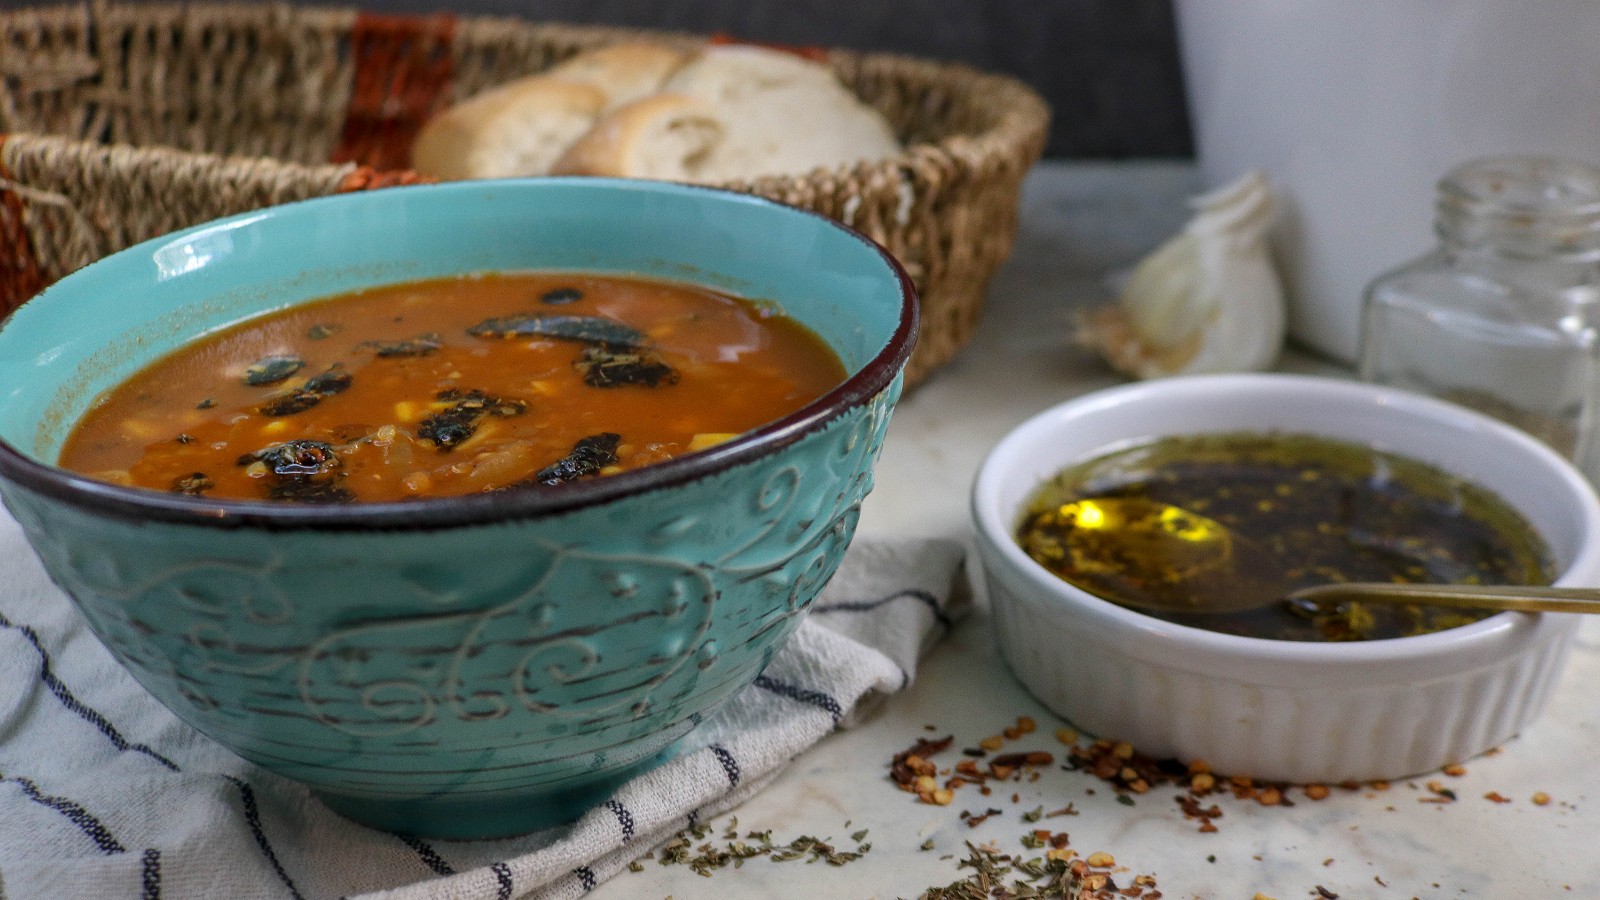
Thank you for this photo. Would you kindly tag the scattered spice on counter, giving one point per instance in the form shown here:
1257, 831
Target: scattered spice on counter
1441, 794
1000, 875
914, 772
1129, 773
1061, 874
973, 819
690, 848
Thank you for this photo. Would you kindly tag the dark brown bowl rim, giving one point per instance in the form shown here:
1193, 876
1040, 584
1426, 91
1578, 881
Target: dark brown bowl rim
144, 505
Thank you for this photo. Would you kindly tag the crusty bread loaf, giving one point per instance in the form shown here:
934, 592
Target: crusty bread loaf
625, 72
522, 126
735, 112
518, 128
640, 110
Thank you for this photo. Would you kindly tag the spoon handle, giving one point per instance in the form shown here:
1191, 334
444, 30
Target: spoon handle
1517, 597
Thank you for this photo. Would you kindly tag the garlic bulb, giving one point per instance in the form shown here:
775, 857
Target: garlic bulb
1208, 300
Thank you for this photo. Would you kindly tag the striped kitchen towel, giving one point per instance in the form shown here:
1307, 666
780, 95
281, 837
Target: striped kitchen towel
104, 793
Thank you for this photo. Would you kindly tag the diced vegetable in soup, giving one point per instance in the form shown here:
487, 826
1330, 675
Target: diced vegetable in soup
453, 386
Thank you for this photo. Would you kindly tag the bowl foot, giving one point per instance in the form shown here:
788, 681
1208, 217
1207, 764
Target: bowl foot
477, 816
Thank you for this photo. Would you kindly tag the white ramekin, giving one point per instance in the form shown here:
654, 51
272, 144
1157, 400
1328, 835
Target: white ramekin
1282, 710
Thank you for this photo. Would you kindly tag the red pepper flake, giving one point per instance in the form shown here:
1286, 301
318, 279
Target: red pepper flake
1441, 794
1496, 797
973, 819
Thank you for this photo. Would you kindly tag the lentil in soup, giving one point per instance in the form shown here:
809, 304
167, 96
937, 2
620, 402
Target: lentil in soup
453, 386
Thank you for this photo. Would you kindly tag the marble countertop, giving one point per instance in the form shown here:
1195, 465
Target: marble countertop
1080, 221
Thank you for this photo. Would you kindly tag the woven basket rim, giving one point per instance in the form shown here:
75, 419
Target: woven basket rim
1021, 115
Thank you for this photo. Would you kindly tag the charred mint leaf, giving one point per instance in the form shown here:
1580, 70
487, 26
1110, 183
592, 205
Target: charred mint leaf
322, 331
333, 381
605, 366
315, 389
301, 471
589, 455
193, 484
421, 345
561, 295
207, 403
290, 403
272, 369
298, 458
590, 329
450, 427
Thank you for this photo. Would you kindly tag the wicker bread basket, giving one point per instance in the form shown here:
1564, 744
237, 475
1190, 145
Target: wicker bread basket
120, 122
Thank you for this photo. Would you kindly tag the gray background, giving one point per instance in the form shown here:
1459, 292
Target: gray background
1109, 68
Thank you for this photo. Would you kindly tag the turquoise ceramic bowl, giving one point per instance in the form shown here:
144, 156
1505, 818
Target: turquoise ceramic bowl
471, 666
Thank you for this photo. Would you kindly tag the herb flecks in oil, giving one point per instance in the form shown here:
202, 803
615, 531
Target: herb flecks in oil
1321, 511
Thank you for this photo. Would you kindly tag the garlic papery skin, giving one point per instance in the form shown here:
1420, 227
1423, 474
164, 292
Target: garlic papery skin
1208, 300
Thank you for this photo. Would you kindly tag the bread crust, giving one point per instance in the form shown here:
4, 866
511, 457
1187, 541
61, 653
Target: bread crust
626, 72
666, 136
516, 129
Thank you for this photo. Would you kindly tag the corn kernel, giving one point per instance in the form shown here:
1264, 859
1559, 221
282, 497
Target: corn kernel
710, 439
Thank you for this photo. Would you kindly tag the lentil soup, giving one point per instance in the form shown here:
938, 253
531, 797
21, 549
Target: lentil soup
453, 386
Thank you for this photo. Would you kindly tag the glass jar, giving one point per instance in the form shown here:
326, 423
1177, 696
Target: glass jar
1504, 316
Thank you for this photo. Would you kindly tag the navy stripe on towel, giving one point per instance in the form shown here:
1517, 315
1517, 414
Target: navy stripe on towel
252, 817
48, 676
77, 815
585, 877
624, 818
818, 699
729, 764
502, 874
869, 605
151, 875
429, 856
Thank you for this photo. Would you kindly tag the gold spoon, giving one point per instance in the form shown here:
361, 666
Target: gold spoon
1175, 560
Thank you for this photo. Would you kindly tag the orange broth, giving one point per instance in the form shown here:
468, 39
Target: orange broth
416, 390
